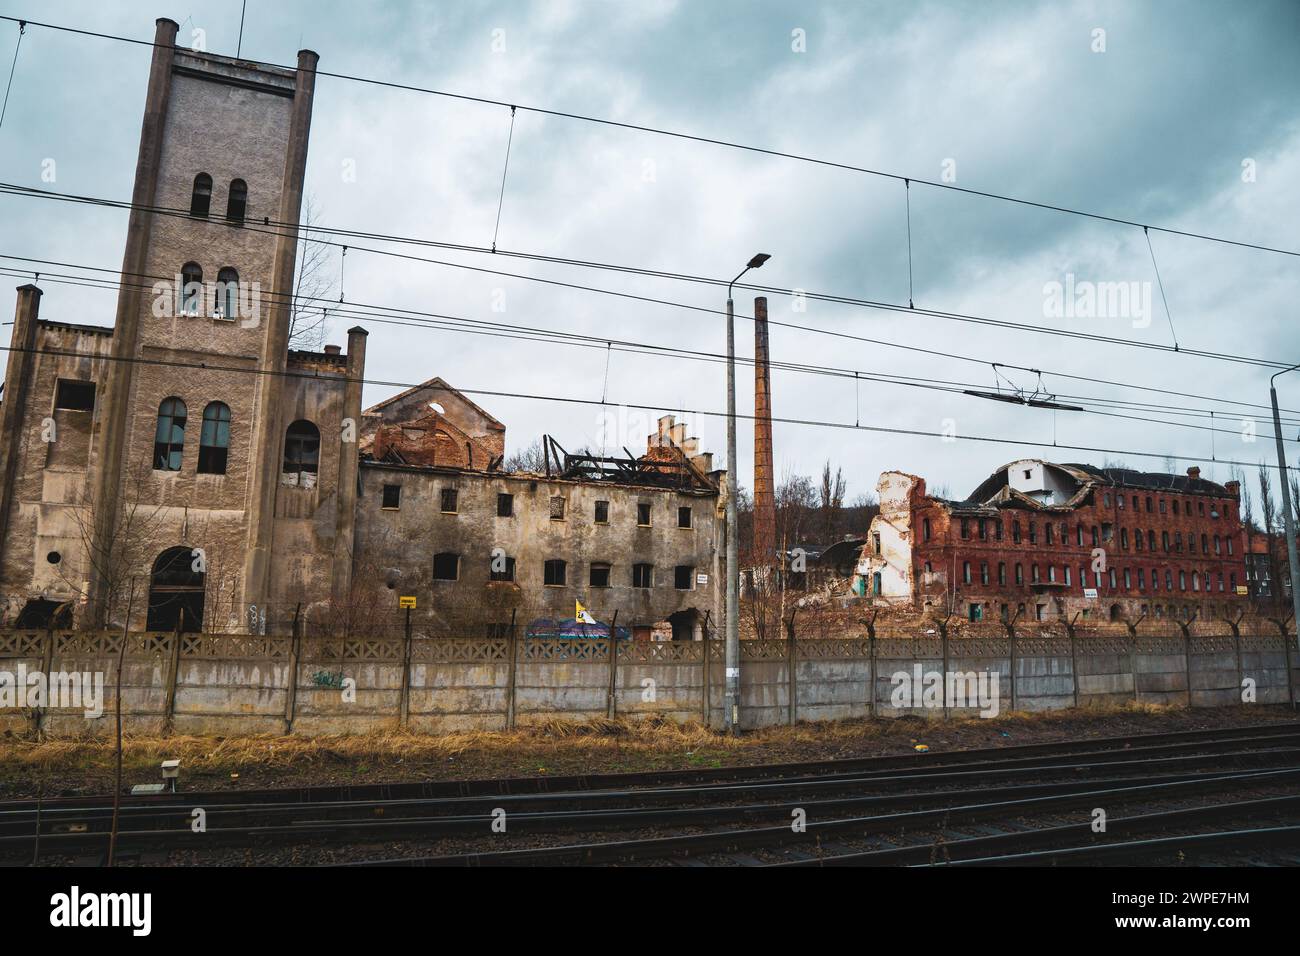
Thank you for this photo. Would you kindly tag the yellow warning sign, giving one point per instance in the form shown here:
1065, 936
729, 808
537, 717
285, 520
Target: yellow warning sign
406, 600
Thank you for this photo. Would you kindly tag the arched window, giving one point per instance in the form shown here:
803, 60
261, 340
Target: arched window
214, 439
169, 439
237, 203
227, 294
191, 293
176, 592
201, 199
301, 454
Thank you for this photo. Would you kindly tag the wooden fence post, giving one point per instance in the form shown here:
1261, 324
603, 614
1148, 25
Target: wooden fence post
706, 676
792, 683
291, 697
173, 672
512, 649
611, 710
404, 720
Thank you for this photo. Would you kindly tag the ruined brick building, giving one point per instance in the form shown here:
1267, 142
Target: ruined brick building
1046, 541
187, 465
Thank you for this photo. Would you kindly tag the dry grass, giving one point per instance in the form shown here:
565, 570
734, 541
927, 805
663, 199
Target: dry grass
553, 746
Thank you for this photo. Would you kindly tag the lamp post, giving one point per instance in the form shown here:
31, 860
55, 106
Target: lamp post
731, 697
1289, 521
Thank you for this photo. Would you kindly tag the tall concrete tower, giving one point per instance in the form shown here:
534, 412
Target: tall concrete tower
764, 484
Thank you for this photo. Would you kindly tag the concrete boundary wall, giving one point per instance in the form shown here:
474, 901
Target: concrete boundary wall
241, 684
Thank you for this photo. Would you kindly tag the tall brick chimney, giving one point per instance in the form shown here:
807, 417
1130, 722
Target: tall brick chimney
764, 485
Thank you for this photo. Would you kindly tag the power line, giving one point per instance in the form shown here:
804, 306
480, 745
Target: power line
532, 334
712, 141
933, 352
568, 400
287, 228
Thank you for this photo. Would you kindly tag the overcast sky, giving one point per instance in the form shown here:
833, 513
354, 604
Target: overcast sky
1188, 118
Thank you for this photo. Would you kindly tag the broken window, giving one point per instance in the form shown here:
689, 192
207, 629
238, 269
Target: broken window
226, 304
450, 500
925, 529
683, 517
599, 577
643, 515
1002, 572
392, 496
683, 576
554, 573
984, 572
965, 529
169, 438
976, 612
446, 566
557, 508
643, 575
214, 439
875, 542
75, 396
502, 569
505, 505
191, 291
301, 454
602, 512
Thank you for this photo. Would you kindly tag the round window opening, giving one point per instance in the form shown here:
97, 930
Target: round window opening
54, 557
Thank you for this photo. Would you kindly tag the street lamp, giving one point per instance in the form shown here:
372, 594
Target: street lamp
731, 700
1286, 502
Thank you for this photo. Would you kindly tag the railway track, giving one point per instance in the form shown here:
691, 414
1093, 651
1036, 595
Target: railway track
1022, 801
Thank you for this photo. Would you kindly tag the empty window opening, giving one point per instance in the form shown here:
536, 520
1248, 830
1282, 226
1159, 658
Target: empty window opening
301, 454
505, 505
75, 396
683, 577
446, 566
554, 573
683, 517
602, 512
392, 496
643, 515
450, 501
502, 568
599, 576
643, 575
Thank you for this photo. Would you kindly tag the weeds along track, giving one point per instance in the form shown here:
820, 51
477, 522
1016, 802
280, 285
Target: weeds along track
732, 815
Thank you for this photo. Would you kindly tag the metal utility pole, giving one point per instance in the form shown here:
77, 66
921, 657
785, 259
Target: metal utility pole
1289, 520
731, 696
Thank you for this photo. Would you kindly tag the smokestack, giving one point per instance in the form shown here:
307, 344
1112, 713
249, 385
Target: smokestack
764, 486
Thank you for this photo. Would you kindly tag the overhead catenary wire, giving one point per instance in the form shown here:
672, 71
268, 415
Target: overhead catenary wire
505, 168
640, 406
708, 140
995, 365
22, 29
270, 228
500, 329
1160, 282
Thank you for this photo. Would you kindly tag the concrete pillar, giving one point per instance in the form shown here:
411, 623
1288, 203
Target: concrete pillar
18, 376
345, 517
264, 467
764, 481
109, 438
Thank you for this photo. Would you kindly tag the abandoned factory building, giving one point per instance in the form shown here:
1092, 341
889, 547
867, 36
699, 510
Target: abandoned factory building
186, 467
1043, 541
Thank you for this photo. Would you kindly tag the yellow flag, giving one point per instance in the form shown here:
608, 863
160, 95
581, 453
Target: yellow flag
580, 613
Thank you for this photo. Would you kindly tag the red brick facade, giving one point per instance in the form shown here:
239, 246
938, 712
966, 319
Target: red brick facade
1171, 546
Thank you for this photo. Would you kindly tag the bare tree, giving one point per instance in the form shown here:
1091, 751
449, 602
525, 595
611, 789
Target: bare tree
113, 559
526, 459
832, 499
314, 286
1270, 518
